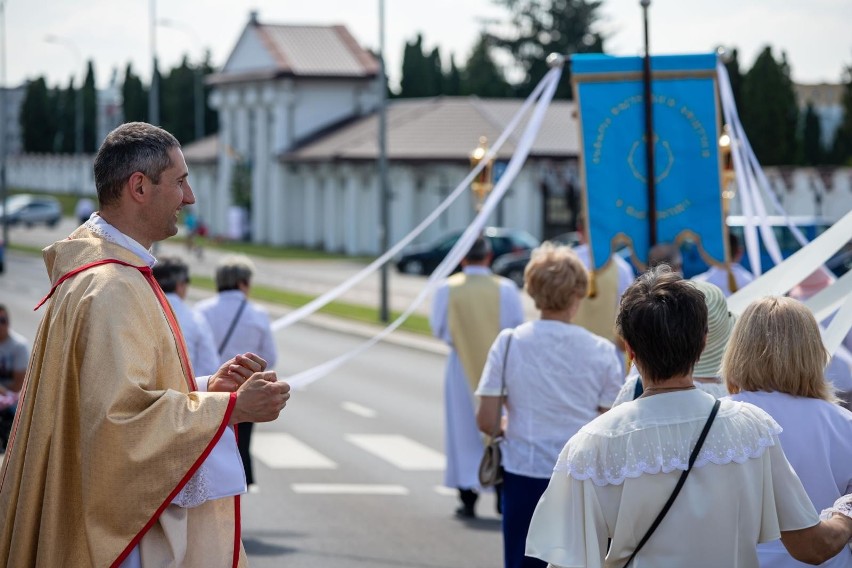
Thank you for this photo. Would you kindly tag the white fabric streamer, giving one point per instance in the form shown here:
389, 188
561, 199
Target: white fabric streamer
348, 284
784, 276
548, 84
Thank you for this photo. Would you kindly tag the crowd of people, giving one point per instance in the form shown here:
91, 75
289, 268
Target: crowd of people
630, 409
602, 424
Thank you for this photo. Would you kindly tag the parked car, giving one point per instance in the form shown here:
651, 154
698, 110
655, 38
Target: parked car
31, 210
512, 265
423, 259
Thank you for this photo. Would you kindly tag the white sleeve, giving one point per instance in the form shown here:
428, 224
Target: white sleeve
205, 349
612, 380
438, 316
492, 373
267, 348
511, 306
568, 528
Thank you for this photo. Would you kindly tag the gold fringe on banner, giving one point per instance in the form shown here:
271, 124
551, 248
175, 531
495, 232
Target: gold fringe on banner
593, 291
732, 282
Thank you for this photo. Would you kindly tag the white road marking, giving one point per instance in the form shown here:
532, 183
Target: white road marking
348, 489
446, 491
400, 451
358, 409
283, 451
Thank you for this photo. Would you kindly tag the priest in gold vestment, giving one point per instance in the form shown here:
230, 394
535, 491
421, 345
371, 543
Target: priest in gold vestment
117, 457
468, 311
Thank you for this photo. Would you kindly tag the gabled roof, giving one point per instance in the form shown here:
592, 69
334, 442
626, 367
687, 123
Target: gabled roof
266, 51
442, 129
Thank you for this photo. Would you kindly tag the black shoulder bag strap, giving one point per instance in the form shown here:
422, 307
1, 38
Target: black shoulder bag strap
680, 482
232, 326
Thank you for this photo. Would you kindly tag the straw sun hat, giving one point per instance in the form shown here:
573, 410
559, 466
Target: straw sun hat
720, 323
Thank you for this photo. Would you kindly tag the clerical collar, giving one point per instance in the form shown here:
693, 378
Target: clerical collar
98, 224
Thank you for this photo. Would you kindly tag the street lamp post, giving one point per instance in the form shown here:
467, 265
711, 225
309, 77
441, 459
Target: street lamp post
78, 95
649, 132
198, 91
384, 311
154, 93
3, 117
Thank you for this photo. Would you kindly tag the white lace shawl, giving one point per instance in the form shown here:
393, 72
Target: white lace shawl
610, 449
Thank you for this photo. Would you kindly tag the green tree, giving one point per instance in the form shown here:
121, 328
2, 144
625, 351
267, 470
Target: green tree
481, 75
66, 119
134, 97
211, 116
770, 113
841, 150
422, 75
435, 73
732, 64
542, 27
90, 111
177, 113
453, 80
37, 118
812, 151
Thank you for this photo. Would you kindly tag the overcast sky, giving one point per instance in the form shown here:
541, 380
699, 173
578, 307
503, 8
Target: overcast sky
814, 33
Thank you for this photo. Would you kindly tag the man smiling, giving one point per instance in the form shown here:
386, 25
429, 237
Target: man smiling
118, 456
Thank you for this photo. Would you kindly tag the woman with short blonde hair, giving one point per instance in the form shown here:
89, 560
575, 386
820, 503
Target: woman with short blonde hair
555, 277
777, 347
555, 376
775, 361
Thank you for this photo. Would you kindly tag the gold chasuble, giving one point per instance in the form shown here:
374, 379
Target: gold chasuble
107, 430
597, 314
474, 320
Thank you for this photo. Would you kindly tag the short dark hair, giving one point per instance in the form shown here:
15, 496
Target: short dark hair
232, 271
479, 250
169, 272
663, 318
132, 147
734, 244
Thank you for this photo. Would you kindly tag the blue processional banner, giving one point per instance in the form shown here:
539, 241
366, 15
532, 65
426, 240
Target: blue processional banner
686, 117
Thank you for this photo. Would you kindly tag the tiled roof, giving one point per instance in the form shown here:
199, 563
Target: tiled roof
442, 129
205, 150
301, 51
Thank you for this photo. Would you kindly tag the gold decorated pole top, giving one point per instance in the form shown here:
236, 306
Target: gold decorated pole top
481, 185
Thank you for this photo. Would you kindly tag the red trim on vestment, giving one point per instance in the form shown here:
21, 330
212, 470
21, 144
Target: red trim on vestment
232, 401
80, 269
237, 529
170, 316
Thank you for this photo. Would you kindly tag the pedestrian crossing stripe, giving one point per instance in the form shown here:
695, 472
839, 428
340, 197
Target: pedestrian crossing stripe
404, 453
283, 451
348, 489
358, 409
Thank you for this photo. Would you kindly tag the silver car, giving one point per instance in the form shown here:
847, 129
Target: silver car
32, 210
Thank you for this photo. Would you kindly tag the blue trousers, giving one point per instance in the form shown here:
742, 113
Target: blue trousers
520, 496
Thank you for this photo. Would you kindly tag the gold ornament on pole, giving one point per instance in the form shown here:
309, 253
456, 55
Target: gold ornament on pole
481, 185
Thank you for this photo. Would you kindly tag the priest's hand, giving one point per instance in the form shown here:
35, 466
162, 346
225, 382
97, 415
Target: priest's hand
260, 398
234, 372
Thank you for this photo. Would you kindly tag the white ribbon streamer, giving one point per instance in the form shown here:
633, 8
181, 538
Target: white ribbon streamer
827, 300
348, 284
839, 327
459, 250
789, 273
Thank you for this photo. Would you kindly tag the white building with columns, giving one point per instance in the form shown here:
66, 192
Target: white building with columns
298, 111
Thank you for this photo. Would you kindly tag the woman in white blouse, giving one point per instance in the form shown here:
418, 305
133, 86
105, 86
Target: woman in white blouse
558, 376
614, 476
776, 361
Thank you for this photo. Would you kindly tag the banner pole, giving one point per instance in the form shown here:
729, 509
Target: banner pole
649, 133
